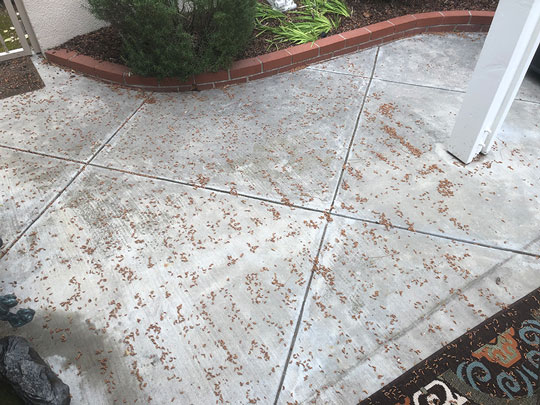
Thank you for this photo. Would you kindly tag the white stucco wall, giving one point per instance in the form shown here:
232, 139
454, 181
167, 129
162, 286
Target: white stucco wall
56, 21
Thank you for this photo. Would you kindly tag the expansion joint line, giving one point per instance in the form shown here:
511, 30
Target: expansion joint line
301, 313
316, 260
392, 338
57, 196
357, 123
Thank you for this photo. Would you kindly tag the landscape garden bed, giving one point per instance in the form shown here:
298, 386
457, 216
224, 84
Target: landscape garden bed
105, 44
86, 55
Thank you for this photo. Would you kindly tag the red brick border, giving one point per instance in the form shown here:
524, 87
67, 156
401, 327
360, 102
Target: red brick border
292, 58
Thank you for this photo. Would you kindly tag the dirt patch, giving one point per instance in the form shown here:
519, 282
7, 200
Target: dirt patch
105, 44
18, 76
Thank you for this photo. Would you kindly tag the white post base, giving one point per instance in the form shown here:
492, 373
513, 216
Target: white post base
507, 54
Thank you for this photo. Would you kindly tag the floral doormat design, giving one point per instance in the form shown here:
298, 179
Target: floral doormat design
495, 363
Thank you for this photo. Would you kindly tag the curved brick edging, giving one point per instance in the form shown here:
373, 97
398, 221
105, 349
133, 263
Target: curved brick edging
291, 58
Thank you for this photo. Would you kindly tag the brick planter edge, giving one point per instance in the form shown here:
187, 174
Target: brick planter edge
292, 58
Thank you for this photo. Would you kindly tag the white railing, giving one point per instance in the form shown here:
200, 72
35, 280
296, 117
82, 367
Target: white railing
19, 32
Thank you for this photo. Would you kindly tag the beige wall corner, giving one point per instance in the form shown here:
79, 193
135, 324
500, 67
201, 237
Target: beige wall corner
56, 21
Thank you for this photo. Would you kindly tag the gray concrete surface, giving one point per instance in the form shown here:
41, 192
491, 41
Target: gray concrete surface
28, 184
283, 139
436, 60
383, 300
71, 118
191, 291
400, 172
212, 248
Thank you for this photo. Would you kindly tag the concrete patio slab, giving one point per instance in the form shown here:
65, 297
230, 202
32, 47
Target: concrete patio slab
28, 183
441, 60
399, 171
71, 117
283, 138
382, 300
438, 60
395, 357
503, 285
146, 289
171, 270
357, 64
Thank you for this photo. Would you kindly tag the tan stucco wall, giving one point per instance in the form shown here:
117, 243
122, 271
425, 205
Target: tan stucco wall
56, 21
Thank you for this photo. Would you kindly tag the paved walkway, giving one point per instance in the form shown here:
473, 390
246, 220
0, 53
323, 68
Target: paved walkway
300, 238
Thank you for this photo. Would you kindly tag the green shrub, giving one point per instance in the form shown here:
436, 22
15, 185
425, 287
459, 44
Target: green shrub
161, 39
154, 41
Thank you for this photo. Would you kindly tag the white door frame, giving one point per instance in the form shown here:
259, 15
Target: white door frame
510, 45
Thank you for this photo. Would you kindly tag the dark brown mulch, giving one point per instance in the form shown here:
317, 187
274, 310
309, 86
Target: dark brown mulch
366, 12
18, 76
105, 44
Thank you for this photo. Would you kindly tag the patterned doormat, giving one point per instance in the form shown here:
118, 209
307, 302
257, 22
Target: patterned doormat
495, 363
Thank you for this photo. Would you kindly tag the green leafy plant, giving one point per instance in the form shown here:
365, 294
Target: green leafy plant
337, 7
311, 20
265, 12
161, 38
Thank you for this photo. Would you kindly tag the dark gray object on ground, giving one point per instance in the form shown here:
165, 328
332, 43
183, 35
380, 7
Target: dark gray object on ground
21, 318
29, 375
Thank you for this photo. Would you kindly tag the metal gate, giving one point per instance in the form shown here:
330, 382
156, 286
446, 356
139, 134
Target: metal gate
16, 35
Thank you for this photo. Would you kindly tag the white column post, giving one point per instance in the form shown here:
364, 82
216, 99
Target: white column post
508, 51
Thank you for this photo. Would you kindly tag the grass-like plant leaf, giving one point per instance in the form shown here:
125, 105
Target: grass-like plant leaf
307, 23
